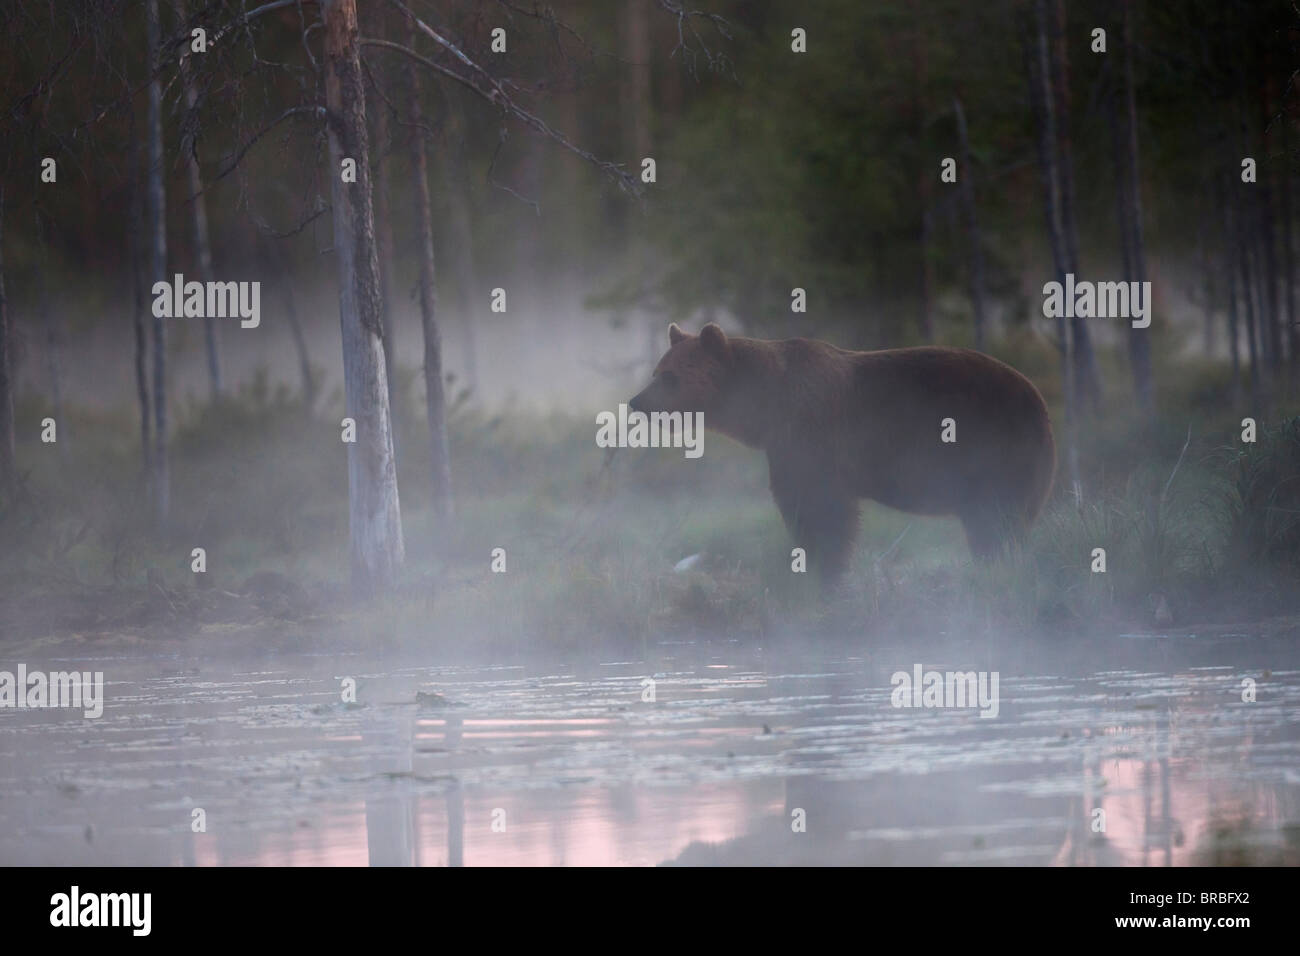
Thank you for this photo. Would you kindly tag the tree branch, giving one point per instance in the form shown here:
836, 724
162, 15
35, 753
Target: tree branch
717, 61
317, 111
492, 91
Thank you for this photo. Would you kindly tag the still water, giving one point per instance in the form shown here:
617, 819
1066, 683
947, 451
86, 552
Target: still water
1141, 751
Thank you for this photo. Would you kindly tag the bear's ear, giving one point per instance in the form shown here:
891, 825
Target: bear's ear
713, 338
675, 334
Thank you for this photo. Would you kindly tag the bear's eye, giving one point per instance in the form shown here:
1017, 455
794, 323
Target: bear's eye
669, 379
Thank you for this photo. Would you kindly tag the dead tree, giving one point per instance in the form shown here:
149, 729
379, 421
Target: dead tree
1287, 265
435, 398
53, 338
199, 216
1038, 70
156, 226
976, 251
456, 174
1243, 254
8, 470
1265, 230
1230, 275
140, 305
1139, 341
384, 226
377, 551
925, 178
282, 263
1087, 378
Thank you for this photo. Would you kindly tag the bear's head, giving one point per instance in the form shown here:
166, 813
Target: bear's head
691, 376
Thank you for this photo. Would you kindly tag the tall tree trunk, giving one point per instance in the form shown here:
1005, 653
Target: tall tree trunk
1087, 377
1244, 219
1230, 275
1038, 70
1288, 255
384, 226
1248, 297
140, 288
157, 231
1209, 289
1266, 244
457, 177
284, 269
374, 514
8, 469
1139, 341
299, 343
53, 334
636, 113
435, 399
925, 178
199, 220
925, 243
1267, 225
972, 228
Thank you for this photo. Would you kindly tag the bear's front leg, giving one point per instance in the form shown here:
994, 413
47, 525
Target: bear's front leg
821, 518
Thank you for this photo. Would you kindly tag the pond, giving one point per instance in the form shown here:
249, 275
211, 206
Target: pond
1137, 751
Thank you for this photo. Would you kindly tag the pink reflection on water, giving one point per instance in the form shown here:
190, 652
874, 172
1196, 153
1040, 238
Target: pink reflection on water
592, 826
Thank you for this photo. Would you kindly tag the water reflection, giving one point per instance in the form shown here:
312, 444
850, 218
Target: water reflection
1155, 761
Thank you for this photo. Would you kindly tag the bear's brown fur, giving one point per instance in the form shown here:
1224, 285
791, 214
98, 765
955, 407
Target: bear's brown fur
838, 426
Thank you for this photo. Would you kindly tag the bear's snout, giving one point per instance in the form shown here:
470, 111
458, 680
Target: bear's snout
637, 402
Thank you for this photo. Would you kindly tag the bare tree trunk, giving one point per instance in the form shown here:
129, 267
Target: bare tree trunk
374, 514
1209, 289
1245, 233
140, 284
1230, 274
1267, 232
972, 228
199, 222
636, 113
284, 269
1268, 275
157, 231
299, 343
435, 399
463, 254
1038, 69
1139, 342
8, 469
1248, 297
53, 335
925, 179
1087, 376
926, 240
1288, 256
384, 228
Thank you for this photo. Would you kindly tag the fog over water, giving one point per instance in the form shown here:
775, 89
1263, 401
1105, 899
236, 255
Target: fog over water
573, 767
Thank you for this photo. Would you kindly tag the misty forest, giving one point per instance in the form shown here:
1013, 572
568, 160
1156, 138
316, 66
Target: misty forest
309, 314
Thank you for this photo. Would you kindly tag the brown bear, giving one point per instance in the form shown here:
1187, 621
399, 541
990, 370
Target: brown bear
839, 425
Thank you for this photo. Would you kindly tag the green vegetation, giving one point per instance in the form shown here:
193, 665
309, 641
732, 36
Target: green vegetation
1202, 535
